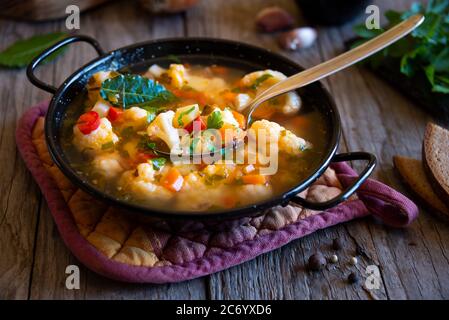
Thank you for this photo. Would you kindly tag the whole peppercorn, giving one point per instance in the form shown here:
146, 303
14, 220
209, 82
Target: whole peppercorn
337, 244
353, 278
316, 262
333, 258
353, 261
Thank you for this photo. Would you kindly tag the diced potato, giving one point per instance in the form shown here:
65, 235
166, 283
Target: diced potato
156, 70
178, 75
185, 115
98, 78
101, 107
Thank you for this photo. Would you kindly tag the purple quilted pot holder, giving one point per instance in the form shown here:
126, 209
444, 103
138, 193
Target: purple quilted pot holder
109, 243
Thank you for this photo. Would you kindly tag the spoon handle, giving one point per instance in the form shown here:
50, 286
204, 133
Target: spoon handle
340, 62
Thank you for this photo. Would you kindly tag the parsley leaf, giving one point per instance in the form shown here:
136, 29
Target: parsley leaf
425, 51
182, 114
215, 120
158, 163
259, 81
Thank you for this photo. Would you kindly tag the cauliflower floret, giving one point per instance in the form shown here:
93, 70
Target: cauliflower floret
108, 164
141, 184
254, 193
135, 116
287, 140
162, 128
241, 101
227, 117
97, 138
292, 144
156, 71
273, 78
178, 75
272, 130
292, 103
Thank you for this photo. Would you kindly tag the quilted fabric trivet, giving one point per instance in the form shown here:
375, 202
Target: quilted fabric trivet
110, 243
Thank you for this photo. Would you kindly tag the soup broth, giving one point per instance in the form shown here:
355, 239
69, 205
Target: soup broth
113, 133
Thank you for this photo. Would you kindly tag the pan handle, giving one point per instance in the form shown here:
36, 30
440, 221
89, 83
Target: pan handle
38, 60
319, 206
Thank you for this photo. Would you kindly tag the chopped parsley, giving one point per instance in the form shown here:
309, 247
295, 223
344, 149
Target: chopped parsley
107, 145
158, 163
260, 80
182, 114
215, 120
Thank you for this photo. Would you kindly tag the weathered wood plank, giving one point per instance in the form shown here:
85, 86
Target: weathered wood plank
19, 196
279, 274
378, 119
52, 257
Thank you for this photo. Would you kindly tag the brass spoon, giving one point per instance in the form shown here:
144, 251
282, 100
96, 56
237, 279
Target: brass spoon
329, 67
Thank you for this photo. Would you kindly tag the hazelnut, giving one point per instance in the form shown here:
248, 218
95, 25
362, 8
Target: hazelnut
317, 262
273, 19
298, 38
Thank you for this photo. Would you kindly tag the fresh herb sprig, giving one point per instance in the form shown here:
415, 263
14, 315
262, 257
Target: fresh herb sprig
135, 90
425, 51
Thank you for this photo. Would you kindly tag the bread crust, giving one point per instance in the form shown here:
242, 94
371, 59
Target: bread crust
428, 162
412, 174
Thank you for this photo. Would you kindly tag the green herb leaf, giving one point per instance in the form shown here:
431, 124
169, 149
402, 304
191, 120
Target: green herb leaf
146, 144
363, 32
158, 163
135, 90
425, 51
215, 120
108, 145
182, 114
127, 132
22, 52
259, 81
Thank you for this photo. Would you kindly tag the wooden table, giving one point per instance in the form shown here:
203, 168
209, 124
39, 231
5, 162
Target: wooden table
413, 262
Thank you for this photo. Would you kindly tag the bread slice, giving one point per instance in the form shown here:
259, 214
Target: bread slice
436, 159
413, 174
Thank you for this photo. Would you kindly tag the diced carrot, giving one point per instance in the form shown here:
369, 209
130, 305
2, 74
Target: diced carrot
240, 119
173, 180
229, 96
254, 179
220, 70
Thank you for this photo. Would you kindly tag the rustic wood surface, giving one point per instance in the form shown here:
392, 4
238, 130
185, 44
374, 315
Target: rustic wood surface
414, 262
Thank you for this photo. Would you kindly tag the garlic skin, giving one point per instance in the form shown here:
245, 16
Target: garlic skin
273, 19
298, 38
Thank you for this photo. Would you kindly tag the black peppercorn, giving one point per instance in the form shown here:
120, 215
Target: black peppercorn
317, 262
353, 278
337, 244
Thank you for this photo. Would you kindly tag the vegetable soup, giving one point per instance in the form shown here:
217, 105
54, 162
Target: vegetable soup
113, 137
